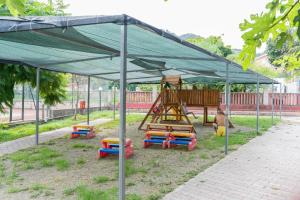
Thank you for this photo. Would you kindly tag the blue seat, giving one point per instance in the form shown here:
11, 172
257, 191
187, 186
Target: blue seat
180, 142
154, 141
110, 151
80, 132
184, 139
158, 138
114, 145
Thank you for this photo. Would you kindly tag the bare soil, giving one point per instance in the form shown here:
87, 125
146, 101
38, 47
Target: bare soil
155, 171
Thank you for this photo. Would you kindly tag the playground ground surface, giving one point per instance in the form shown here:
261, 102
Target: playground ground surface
68, 169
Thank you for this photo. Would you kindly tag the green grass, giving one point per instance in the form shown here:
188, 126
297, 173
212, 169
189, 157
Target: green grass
203, 156
40, 189
131, 118
81, 161
36, 157
82, 146
16, 189
130, 169
8, 134
2, 170
101, 179
265, 122
83, 192
62, 164
12, 177
238, 138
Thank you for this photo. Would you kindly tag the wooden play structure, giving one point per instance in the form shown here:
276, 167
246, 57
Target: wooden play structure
83, 130
110, 146
170, 109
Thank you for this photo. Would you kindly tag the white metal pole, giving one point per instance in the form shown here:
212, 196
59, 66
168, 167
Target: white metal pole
88, 100
272, 103
229, 100
122, 133
227, 109
257, 105
23, 99
37, 108
114, 95
280, 101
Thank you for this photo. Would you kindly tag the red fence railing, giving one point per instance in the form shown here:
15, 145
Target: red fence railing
239, 100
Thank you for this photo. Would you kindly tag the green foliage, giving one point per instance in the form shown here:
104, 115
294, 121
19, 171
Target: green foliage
31, 7
213, 44
266, 71
275, 23
13, 7
52, 85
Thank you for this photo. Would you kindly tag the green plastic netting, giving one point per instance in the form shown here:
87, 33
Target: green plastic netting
91, 46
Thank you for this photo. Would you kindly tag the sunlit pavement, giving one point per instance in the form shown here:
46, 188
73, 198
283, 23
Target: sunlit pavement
266, 168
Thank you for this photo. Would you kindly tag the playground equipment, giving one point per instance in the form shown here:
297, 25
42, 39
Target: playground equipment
156, 137
170, 139
110, 146
179, 138
221, 131
170, 105
85, 130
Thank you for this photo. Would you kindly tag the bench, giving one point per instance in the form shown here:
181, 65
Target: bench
171, 127
86, 130
110, 146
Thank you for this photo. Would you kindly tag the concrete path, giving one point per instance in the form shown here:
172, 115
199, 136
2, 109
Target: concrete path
267, 168
29, 141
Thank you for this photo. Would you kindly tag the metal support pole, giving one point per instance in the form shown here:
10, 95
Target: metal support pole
229, 100
11, 113
122, 133
23, 98
100, 96
88, 101
72, 92
272, 103
227, 109
280, 101
257, 105
114, 95
37, 108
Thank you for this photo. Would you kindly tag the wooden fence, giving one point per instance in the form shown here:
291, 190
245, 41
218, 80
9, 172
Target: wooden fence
239, 101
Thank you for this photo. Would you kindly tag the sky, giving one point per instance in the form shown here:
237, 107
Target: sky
201, 17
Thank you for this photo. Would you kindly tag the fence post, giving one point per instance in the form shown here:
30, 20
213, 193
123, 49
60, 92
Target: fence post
280, 102
23, 98
227, 108
257, 105
272, 103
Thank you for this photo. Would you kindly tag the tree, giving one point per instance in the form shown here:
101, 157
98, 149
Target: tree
52, 85
213, 44
280, 23
29, 7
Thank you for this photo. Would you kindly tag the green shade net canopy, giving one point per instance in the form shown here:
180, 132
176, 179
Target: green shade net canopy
90, 45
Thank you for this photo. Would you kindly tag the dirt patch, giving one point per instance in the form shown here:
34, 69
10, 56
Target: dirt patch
151, 171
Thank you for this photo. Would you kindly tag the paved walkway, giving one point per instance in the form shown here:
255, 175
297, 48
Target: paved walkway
267, 168
29, 141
